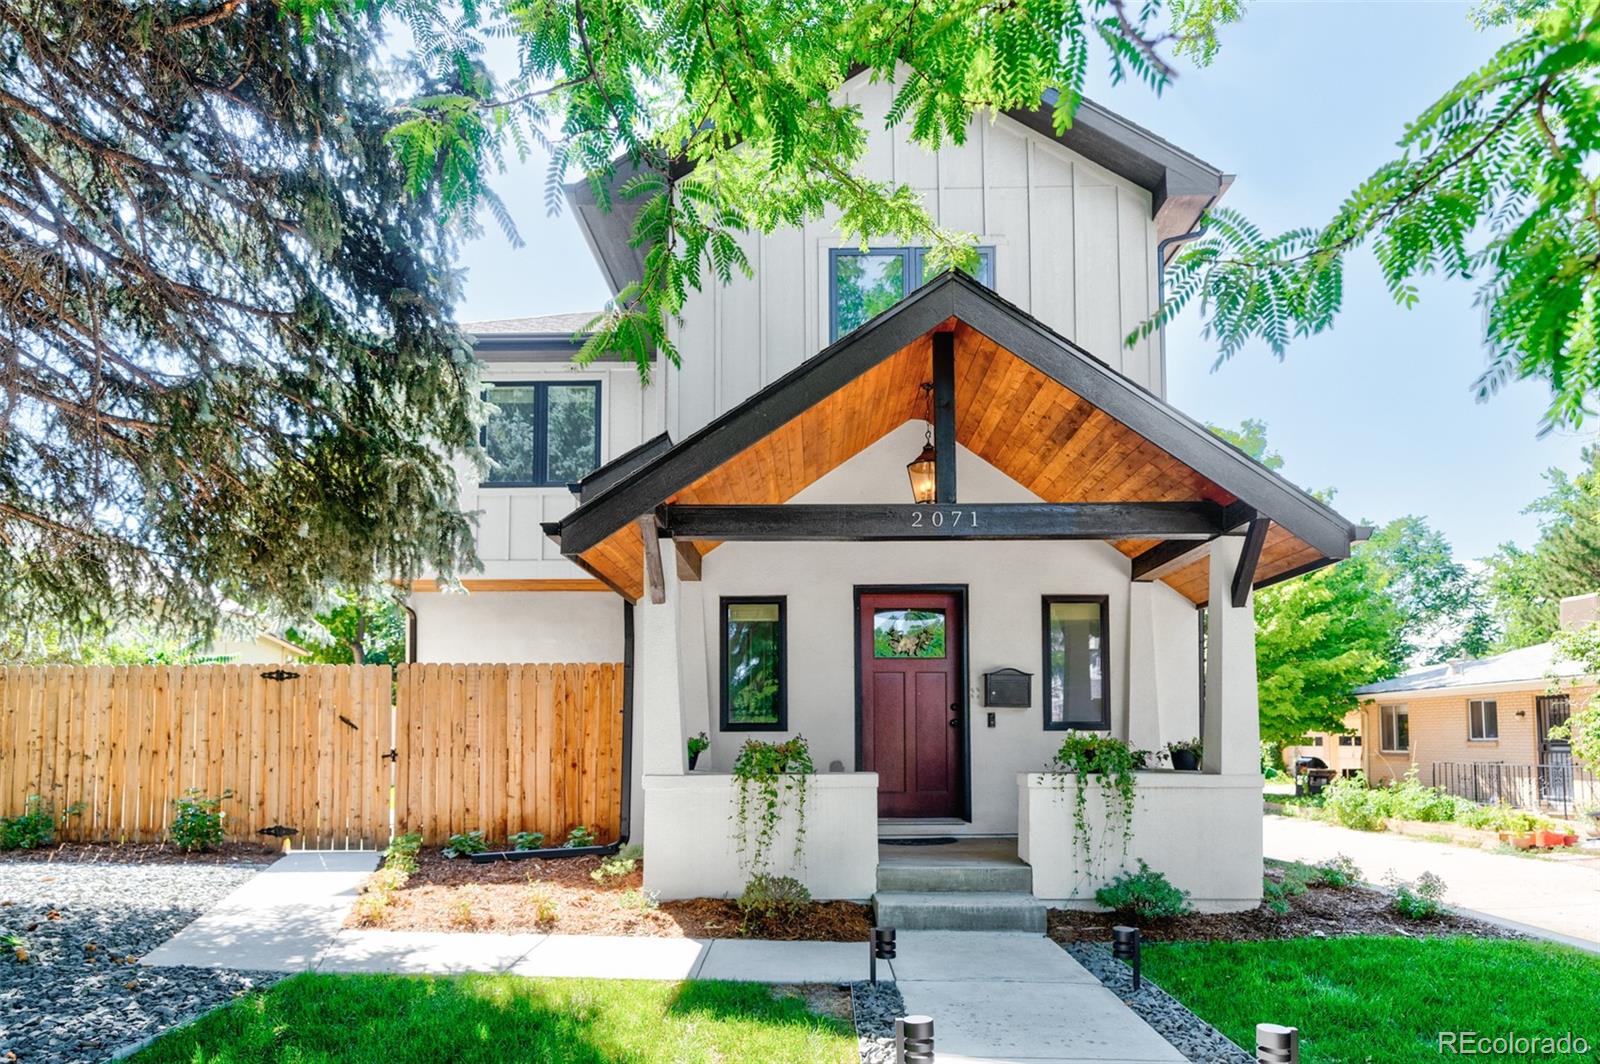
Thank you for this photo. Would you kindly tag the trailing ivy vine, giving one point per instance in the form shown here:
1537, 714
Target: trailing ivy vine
1111, 763
769, 775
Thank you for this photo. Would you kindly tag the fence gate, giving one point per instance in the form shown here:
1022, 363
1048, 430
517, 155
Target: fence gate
299, 746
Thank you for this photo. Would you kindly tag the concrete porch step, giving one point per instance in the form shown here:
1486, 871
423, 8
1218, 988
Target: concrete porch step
955, 878
959, 911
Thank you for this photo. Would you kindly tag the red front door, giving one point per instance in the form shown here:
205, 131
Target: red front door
910, 650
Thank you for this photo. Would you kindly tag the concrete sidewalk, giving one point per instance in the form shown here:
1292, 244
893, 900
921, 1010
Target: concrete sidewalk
994, 995
1561, 898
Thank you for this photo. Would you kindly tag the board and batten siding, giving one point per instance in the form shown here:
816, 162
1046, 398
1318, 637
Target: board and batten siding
1075, 246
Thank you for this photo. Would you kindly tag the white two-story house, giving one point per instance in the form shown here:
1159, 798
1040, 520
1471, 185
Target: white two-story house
932, 524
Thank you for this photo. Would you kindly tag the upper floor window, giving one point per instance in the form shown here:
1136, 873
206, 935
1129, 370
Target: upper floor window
1483, 719
544, 434
1394, 724
864, 284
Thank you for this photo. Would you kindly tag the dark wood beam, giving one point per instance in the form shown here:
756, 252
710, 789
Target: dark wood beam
944, 417
1245, 575
1164, 559
689, 560
975, 521
655, 578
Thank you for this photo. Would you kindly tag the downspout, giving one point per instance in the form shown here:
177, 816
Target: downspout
1161, 273
411, 629
625, 805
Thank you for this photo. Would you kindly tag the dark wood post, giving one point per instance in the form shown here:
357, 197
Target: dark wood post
944, 416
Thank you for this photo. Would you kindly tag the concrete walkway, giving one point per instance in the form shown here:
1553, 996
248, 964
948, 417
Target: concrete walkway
994, 996
1558, 898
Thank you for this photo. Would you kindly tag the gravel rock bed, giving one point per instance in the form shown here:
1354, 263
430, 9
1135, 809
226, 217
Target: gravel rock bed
1188, 1033
80, 995
876, 1006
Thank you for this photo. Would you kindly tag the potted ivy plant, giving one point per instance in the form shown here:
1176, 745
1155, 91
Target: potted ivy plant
698, 744
1110, 763
769, 778
1185, 755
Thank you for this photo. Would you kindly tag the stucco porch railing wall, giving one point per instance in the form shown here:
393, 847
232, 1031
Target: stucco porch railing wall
1202, 831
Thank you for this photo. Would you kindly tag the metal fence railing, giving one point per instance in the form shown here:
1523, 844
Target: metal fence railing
1558, 787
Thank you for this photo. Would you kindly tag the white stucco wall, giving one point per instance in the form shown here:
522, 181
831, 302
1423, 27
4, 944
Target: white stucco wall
1203, 832
1004, 581
518, 626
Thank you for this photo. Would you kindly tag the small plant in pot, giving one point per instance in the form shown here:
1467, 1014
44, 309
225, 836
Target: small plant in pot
698, 744
1185, 755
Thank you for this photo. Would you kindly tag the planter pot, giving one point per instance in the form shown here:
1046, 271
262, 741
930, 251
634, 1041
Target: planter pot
1185, 760
693, 758
1522, 840
1549, 840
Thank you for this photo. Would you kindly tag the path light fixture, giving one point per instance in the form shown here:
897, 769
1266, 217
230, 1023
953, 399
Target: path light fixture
879, 948
1276, 1044
1125, 947
923, 468
913, 1040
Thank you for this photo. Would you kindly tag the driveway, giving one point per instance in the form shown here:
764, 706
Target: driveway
1558, 896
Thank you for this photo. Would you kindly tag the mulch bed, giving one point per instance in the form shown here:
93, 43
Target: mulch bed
1319, 912
457, 895
143, 853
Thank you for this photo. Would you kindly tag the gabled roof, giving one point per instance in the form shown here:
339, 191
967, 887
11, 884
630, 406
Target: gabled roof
1181, 185
1028, 401
1532, 666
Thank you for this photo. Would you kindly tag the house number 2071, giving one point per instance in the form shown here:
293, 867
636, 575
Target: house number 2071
944, 518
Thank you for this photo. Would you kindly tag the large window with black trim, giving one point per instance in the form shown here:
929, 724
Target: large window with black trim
753, 664
543, 433
1077, 653
864, 284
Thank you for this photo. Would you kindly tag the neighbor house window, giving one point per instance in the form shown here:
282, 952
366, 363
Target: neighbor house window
1395, 725
1483, 719
1347, 740
1316, 740
753, 697
864, 284
543, 434
1077, 651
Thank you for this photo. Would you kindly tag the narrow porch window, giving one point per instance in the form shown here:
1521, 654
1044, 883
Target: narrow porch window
1483, 719
1077, 649
753, 636
1395, 726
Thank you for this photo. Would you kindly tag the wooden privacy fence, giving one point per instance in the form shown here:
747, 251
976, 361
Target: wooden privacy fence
508, 748
340, 753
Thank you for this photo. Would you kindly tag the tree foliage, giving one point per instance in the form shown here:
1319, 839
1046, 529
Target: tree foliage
1528, 585
354, 629
229, 369
722, 117
1494, 182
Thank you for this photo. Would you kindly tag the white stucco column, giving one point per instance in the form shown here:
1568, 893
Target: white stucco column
1233, 724
1144, 678
658, 685
695, 678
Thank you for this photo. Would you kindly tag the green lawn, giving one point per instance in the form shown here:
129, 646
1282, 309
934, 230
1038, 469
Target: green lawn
382, 1019
1384, 999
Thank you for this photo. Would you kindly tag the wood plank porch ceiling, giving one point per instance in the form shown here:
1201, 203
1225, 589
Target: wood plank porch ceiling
1021, 421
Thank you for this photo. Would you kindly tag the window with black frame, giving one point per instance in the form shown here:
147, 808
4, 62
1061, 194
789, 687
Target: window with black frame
1077, 651
864, 284
753, 696
542, 434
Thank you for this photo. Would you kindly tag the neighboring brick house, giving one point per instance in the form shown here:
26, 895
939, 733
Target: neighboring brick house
1341, 751
1480, 727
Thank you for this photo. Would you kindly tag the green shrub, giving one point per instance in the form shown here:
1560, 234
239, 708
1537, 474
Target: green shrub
197, 824
769, 897
614, 868
1338, 872
581, 836
35, 826
527, 840
402, 853
1498, 817
1421, 900
1410, 800
543, 902
465, 844
643, 901
1143, 895
1352, 804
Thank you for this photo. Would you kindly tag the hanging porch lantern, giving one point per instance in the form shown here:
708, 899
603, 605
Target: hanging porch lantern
923, 469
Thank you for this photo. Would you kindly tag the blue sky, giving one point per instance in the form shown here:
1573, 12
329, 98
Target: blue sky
1305, 99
